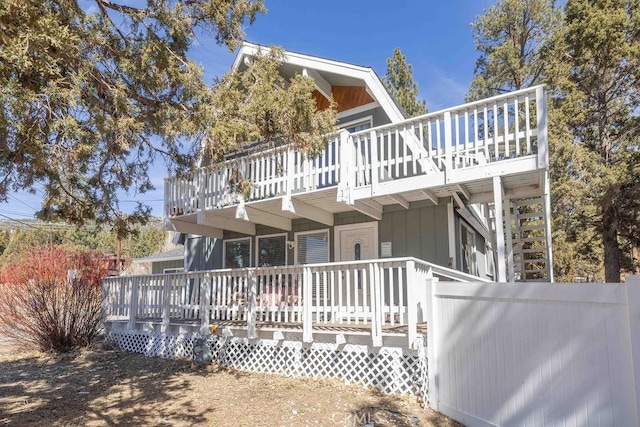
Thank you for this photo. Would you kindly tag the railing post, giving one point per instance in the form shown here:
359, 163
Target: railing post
166, 303
290, 171
541, 116
448, 145
412, 304
133, 302
202, 179
632, 287
432, 342
375, 170
307, 318
205, 303
375, 294
251, 319
105, 300
346, 160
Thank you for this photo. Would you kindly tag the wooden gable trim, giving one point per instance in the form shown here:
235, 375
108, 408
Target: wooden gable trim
347, 97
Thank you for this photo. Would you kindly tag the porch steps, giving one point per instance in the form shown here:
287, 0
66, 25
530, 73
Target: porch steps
529, 239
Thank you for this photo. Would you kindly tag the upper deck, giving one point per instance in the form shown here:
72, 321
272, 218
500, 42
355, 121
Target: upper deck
457, 150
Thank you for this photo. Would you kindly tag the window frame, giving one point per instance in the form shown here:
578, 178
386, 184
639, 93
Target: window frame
224, 250
302, 233
360, 121
265, 236
467, 229
171, 270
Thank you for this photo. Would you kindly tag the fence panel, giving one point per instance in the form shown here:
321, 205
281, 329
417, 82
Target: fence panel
533, 354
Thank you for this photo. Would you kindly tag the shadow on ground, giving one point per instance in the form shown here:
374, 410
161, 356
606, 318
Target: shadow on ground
103, 386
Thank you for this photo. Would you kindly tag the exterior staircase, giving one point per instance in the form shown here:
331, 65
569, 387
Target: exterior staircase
529, 240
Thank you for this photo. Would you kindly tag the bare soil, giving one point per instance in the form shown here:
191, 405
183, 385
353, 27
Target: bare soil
104, 386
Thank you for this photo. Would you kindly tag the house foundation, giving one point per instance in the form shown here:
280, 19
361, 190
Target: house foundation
391, 369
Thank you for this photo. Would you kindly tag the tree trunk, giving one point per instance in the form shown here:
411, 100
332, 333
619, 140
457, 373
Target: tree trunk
610, 243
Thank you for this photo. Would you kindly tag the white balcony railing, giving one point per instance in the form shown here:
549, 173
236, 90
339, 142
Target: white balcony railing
501, 128
374, 293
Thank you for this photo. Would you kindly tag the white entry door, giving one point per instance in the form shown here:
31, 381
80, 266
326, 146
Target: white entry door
358, 242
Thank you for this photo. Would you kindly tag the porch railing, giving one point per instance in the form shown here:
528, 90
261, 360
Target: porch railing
376, 293
496, 129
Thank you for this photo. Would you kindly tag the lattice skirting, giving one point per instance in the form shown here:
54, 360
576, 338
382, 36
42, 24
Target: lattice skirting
390, 370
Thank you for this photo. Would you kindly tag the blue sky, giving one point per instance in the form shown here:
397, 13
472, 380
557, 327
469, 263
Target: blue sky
435, 36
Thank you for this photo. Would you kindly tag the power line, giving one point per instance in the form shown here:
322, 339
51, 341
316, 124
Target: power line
17, 213
18, 221
15, 198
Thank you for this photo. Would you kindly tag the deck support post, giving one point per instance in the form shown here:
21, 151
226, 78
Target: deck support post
412, 303
547, 226
166, 303
499, 218
205, 303
133, 303
511, 276
307, 318
251, 318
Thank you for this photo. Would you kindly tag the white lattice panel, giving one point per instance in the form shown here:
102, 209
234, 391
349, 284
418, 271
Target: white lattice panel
389, 370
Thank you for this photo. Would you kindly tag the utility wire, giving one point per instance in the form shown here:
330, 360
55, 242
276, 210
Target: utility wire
15, 198
18, 221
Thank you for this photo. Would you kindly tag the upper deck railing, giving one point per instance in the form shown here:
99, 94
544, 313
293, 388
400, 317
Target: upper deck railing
476, 134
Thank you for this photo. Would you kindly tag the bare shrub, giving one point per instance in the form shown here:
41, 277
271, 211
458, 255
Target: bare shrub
51, 297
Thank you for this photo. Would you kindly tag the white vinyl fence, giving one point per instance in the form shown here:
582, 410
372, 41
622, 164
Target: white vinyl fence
535, 354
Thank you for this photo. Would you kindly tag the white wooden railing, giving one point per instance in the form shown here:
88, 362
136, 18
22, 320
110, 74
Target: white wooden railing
374, 293
476, 134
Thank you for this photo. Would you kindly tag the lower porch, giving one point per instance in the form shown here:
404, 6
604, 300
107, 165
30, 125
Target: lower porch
374, 302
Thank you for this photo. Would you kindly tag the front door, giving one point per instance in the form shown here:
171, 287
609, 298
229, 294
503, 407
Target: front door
356, 242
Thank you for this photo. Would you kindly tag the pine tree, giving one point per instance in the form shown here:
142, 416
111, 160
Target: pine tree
597, 62
94, 93
513, 38
400, 84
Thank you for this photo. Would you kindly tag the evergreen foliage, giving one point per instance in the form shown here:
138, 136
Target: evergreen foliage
513, 38
598, 79
92, 93
252, 106
589, 56
400, 84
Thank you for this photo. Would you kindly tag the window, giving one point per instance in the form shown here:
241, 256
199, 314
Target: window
490, 260
272, 250
357, 125
173, 270
237, 253
468, 249
312, 247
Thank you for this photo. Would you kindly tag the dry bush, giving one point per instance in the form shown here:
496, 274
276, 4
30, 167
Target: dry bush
51, 297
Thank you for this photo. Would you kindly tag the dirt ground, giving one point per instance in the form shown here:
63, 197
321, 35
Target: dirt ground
104, 386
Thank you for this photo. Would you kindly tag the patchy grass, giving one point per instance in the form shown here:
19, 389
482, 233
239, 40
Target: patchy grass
102, 386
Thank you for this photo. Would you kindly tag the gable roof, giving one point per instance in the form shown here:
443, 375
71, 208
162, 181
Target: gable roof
328, 73
173, 255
